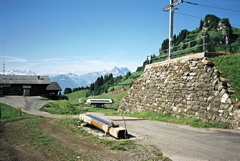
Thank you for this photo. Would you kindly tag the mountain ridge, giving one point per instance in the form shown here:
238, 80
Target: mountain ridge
72, 80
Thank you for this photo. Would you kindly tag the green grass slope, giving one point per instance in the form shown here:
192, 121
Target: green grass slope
230, 66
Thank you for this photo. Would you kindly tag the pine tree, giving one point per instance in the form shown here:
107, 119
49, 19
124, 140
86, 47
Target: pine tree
105, 78
201, 25
67, 90
165, 44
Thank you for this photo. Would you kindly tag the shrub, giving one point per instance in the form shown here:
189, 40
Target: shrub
61, 107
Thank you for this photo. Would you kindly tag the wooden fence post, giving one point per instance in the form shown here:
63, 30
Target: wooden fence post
20, 112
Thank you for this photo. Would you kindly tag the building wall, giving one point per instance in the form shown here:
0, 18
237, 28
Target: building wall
39, 89
16, 89
189, 87
13, 90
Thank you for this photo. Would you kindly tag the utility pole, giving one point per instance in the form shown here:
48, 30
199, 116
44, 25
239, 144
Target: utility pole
171, 11
3, 58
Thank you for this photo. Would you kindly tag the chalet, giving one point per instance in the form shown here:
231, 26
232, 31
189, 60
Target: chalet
28, 85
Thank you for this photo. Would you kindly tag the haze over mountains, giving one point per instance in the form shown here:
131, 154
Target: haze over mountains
18, 72
72, 80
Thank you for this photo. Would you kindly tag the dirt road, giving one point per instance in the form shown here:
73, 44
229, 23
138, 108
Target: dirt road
178, 142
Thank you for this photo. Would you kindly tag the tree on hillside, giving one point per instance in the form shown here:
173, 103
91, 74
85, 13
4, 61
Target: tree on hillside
174, 39
106, 78
79, 89
102, 84
211, 21
128, 75
112, 89
67, 90
110, 76
141, 68
91, 87
201, 25
165, 44
182, 35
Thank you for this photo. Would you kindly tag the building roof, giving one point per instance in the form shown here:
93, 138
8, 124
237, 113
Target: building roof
54, 86
24, 79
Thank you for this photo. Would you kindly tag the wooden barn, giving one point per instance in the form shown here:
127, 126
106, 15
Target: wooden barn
28, 85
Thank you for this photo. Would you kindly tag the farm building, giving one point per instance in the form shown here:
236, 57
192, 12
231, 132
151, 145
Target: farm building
28, 85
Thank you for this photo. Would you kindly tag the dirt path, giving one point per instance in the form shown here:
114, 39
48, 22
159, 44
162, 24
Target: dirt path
16, 149
16, 146
95, 151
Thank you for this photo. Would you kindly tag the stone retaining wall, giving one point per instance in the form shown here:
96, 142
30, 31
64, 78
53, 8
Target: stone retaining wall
189, 87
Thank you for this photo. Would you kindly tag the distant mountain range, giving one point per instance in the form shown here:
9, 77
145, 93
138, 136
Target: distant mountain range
18, 72
71, 80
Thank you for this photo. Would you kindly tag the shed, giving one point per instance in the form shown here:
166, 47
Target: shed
52, 90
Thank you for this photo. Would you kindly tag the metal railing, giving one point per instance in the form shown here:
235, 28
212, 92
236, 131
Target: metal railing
203, 44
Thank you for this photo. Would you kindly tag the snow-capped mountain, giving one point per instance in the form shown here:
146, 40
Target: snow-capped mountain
64, 81
119, 71
18, 72
73, 81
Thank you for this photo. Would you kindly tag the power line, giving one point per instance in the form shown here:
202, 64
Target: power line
188, 15
199, 17
211, 6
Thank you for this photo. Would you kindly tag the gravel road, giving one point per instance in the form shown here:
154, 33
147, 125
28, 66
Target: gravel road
185, 143
178, 142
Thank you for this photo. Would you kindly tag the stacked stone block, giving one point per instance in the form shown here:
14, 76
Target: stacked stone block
190, 88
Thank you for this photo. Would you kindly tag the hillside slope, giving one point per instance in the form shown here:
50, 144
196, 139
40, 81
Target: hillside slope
219, 36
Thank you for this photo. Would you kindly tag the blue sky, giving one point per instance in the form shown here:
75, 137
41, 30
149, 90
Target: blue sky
82, 36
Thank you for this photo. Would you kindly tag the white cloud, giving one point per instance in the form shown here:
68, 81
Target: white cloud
12, 59
78, 65
52, 60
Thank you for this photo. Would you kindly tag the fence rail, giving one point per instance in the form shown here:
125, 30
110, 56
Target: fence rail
203, 44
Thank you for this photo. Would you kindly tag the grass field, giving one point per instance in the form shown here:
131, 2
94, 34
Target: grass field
171, 119
8, 113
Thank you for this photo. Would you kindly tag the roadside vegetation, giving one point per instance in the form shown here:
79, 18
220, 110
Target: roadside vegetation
61, 107
171, 119
7, 113
30, 130
49, 146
